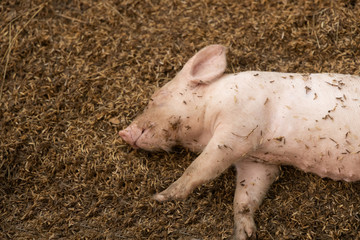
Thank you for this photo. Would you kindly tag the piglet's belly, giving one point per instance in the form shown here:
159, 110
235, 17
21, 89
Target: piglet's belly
338, 166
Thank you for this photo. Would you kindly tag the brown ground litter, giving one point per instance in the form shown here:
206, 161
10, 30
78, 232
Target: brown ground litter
73, 73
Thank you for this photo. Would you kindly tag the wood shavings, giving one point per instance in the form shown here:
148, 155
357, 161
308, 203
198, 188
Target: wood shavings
73, 73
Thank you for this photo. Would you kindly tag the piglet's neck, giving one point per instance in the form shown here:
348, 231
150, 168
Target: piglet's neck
196, 124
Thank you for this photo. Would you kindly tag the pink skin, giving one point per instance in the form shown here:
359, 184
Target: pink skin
255, 121
131, 135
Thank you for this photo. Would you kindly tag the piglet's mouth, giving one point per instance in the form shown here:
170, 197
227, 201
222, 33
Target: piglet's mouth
135, 143
131, 135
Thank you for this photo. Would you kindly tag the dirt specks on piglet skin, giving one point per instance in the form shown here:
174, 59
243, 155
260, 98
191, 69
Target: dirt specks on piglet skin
266, 101
175, 122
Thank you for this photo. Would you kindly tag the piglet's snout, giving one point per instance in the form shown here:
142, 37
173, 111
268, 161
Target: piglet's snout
130, 135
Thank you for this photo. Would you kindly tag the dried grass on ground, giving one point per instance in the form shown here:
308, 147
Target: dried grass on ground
73, 73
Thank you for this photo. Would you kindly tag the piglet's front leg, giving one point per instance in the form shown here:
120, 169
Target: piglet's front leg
252, 183
215, 159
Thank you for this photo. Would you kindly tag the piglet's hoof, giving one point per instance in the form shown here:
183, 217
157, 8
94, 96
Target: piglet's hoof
175, 191
166, 196
244, 236
245, 228
160, 198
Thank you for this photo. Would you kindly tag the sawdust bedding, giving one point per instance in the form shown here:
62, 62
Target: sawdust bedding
73, 73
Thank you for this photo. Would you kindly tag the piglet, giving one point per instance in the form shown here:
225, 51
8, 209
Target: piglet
255, 121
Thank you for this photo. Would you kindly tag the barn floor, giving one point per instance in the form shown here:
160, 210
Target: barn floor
74, 73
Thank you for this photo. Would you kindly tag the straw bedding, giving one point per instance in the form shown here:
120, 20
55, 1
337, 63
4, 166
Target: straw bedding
73, 73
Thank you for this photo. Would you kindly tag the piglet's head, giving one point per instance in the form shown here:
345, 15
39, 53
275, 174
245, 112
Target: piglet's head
169, 118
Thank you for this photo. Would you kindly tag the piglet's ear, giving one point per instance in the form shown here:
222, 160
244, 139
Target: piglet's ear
206, 66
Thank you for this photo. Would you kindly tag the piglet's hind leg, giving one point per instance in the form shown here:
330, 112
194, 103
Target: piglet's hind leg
252, 183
